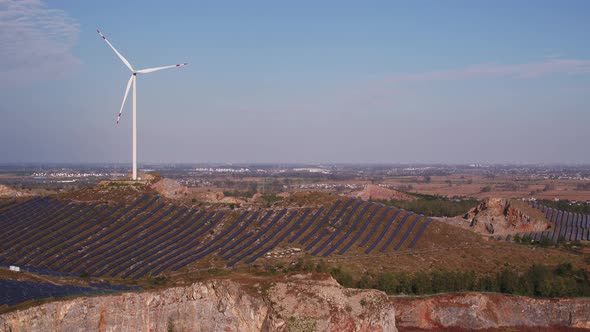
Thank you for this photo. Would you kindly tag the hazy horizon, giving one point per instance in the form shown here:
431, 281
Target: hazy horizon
336, 82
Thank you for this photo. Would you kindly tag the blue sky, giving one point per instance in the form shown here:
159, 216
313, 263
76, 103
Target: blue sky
304, 81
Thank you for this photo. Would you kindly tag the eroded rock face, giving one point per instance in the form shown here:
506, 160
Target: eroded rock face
293, 303
303, 304
483, 311
209, 306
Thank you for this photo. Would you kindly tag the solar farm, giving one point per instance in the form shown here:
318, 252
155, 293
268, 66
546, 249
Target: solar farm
566, 226
150, 237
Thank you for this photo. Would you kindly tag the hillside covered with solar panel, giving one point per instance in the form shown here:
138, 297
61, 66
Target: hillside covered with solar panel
109, 239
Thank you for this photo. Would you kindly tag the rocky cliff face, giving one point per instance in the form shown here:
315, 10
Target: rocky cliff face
501, 216
294, 303
486, 311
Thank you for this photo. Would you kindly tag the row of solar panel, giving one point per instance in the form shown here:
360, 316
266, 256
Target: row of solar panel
569, 234
15, 292
134, 242
559, 216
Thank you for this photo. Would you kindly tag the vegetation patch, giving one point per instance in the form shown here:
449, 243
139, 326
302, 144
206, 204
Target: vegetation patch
301, 324
565, 205
434, 205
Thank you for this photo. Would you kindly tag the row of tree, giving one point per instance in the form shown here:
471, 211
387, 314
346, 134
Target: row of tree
564, 205
436, 206
538, 281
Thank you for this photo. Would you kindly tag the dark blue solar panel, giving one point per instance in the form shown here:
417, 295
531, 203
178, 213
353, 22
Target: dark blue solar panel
304, 228
260, 234
99, 254
174, 251
396, 231
262, 243
35, 226
75, 239
44, 231
121, 260
173, 241
62, 234
19, 223
419, 233
384, 230
168, 238
508, 237
408, 231
210, 246
15, 292
320, 224
337, 231
244, 237
114, 249
269, 247
91, 237
375, 226
317, 239
349, 231
362, 228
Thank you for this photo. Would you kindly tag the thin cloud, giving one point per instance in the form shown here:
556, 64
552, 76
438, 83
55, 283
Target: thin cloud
35, 42
523, 70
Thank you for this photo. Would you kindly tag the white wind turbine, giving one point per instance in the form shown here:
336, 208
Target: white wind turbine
133, 79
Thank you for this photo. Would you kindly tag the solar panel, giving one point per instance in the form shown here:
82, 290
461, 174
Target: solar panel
384, 230
320, 224
304, 228
408, 231
121, 258
262, 243
174, 251
419, 233
349, 230
234, 252
375, 226
338, 230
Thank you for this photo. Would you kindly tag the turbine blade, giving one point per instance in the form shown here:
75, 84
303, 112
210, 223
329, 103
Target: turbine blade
116, 52
151, 70
125, 97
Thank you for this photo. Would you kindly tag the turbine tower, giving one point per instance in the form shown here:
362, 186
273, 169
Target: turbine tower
133, 79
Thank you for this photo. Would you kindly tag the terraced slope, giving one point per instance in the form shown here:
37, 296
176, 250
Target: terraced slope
150, 237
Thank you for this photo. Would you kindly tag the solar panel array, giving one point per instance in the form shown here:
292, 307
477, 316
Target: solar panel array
149, 237
563, 225
15, 292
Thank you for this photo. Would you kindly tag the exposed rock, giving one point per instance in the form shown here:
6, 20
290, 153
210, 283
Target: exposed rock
490, 227
483, 311
209, 306
327, 306
7, 191
284, 195
501, 216
293, 303
170, 188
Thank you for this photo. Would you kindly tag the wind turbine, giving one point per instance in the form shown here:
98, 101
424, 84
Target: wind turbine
133, 79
